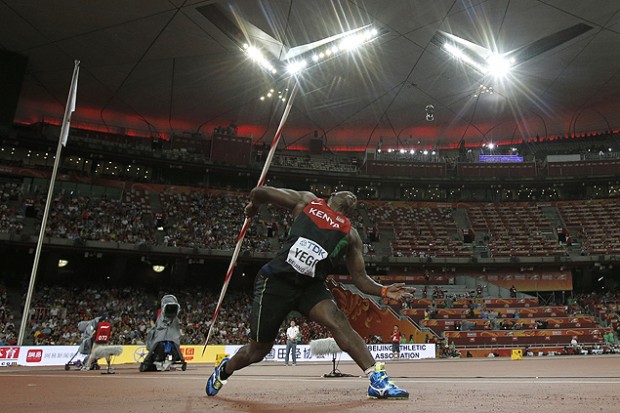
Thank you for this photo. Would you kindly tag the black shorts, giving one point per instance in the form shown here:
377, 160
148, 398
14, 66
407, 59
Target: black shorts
275, 297
395, 347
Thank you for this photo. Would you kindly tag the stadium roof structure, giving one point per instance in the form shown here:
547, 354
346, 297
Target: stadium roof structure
172, 67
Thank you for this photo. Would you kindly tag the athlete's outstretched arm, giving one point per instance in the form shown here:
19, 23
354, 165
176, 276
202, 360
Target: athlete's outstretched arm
281, 197
355, 264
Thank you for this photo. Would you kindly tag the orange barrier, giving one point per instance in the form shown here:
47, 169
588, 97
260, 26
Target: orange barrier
510, 302
489, 303
479, 324
547, 311
525, 337
369, 320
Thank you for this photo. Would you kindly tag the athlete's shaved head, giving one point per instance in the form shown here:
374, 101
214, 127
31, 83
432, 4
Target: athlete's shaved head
343, 202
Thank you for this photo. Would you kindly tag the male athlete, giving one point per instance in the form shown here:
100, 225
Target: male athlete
295, 280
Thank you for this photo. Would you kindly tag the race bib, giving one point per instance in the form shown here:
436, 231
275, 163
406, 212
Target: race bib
304, 255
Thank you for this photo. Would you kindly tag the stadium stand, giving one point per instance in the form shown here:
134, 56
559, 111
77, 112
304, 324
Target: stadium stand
102, 198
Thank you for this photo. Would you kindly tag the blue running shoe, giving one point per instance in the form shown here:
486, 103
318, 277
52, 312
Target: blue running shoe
381, 387
214, 384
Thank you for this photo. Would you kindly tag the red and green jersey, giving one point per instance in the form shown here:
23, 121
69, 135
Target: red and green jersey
316, 239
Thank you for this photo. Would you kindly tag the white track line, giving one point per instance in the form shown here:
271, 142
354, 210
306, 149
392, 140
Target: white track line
496, 381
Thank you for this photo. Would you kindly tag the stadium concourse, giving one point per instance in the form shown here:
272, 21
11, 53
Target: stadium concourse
543, 385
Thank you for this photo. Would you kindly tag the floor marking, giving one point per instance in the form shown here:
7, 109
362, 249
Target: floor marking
238, 378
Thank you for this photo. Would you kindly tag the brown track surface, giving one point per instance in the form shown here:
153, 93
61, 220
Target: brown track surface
566, 384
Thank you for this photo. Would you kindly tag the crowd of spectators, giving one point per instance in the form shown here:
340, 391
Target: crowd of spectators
186, 219
10, 216
84, 218
8, 335
56, 312
208, 220
211, 219
317, 163
606, 307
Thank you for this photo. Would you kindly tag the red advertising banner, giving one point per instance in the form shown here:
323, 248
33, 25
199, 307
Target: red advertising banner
370, 320
9, 355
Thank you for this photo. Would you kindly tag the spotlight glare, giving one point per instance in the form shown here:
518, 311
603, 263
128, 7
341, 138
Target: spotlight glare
254, 53
298, 58
454, 51
499, 66
459, 54
352, 42
358, 39
296, 67
257, 56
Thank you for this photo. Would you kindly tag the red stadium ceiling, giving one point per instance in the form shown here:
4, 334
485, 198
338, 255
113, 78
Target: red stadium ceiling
161, 66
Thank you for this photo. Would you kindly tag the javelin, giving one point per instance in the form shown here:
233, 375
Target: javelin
246, 223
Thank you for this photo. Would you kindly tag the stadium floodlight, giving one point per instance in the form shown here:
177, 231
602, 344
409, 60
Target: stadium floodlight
489, 63
299, 58
467, 52
459, 54
296, 66
256, 55
272, 54
493, 63
499, 65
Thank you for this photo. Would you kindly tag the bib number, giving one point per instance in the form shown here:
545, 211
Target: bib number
304, 255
